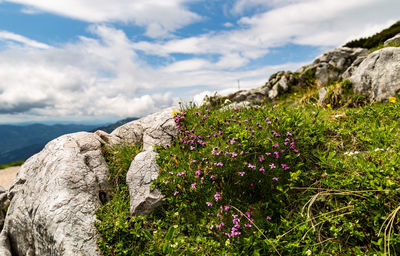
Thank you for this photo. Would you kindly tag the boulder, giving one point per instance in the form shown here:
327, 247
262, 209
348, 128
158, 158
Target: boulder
393, 40
142, 172
54, 199
152, 130
378, 75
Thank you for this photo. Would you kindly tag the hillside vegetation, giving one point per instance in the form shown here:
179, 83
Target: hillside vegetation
284, 178
377, 39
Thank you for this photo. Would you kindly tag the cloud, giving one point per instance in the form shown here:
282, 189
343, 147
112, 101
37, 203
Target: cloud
158, 17
103, 76
8, 36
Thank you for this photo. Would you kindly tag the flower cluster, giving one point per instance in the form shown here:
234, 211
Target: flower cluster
238, 160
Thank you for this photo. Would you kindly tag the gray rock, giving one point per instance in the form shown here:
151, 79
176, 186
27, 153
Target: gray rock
3, 199
379, 74
152, 130
330, 65
322, 95
255, 95
393, 40
142, 172
54, 199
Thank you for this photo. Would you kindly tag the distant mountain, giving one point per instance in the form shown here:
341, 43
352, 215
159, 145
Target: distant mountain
111, 127
20, 142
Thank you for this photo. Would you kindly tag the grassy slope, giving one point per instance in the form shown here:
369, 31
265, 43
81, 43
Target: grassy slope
337, 194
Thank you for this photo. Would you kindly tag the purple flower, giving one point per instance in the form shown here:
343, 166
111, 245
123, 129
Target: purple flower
209, 204
262, 170
198, 172
289, 134
212, 177
194, 185
166, 182
275, 146
261, 159
176, 193
252, 166
180, 173
217, 197
268, 218
227, 207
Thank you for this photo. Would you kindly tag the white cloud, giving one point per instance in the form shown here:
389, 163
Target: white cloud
8, 36
158, 17
103, 76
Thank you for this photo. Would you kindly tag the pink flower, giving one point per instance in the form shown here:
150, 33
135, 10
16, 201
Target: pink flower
212, 177
261, 159
272, 166
176, 193
268, 218
252, 166
166, 182
227, 207
209, 204
194, 185
275, 178
198, 172
217, 197
241, 173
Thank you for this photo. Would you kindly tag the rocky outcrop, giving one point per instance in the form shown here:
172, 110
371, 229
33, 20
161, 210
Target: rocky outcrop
393, 40
328, 67
54, 199
379, 74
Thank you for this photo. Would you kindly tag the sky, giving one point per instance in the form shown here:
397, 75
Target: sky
100, 60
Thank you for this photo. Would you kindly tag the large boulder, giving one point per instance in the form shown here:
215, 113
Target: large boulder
379, 74
54, 199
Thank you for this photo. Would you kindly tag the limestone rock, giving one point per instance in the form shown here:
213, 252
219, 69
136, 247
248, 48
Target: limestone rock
253, 95
152, 130
379, 74
330, 65
3, 199
322, 95
54, 199
393, 40
142, 172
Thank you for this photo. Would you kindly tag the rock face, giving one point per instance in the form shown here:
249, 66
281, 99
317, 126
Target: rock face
54, 199
379, 74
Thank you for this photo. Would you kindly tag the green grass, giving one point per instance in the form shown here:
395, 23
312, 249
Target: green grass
339, 187
17, 163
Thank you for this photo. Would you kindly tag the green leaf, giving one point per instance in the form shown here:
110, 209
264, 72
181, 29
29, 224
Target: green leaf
148, 235
170, 233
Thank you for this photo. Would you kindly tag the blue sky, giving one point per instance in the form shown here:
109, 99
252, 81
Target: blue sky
101, 60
